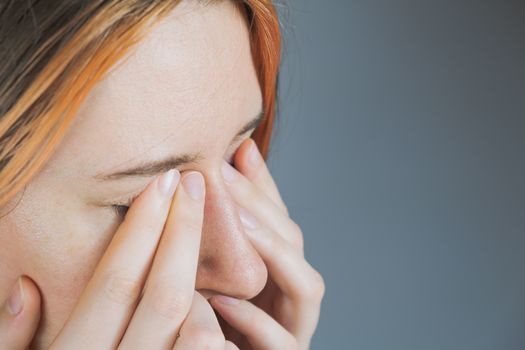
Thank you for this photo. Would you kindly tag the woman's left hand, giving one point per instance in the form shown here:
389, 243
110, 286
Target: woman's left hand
285, 314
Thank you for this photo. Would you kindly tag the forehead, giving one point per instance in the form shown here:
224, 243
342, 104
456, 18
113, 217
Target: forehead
188, 86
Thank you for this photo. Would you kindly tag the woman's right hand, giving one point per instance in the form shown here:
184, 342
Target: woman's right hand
139, 296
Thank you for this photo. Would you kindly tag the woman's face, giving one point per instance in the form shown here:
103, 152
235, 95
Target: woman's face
188, 89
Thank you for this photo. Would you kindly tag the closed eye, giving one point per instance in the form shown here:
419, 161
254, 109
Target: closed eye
122, 209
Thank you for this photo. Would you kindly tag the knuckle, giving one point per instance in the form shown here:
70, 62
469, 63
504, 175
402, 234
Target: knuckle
285, 208
311, 288
206, 338
169, 301
297, 235
318, 286
296, 229
120, 288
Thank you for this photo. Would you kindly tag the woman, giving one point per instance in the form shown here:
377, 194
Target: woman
136, 208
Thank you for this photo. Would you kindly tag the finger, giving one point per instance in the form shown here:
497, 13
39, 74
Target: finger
250, 162
289, 270
260, 205
20, 315
107, 303
170, 286
200, 330
292, 274
261, 330
230, 346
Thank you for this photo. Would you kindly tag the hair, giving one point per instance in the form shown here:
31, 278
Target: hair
53, 52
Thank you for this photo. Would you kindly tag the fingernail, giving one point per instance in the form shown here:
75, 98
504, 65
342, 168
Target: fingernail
228, 173
167, 182
247, 219
254, 156
194, 185
223, 299
16, 298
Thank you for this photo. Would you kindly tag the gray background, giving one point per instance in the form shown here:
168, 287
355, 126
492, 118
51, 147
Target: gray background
399, 150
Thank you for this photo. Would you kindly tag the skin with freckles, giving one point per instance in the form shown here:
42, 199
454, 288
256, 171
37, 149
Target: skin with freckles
188, 87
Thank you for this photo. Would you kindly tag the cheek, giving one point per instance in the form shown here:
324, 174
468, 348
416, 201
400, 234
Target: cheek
64, 247
59, 247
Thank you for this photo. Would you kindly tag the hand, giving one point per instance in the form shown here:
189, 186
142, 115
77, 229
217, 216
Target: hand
201, 329
18, 323
285, 314
139, 296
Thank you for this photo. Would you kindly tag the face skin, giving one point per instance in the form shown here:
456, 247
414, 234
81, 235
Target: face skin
189, 87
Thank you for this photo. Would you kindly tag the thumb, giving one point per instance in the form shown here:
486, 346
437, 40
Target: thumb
19, 315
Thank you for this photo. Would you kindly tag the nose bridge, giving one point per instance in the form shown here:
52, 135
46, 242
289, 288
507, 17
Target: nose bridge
228, 263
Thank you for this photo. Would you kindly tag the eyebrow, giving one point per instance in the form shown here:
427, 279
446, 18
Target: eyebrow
151, 168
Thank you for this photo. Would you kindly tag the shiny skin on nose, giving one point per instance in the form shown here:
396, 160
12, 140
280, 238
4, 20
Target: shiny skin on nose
228, 263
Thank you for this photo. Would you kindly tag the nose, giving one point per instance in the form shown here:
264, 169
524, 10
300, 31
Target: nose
228, 263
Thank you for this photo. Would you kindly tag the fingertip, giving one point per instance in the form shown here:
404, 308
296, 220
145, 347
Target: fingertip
242, 156
193, 183
30, 314
31, 294
248, 160
22, 326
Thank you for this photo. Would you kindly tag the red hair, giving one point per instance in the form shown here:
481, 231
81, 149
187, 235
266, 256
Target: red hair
42, 88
